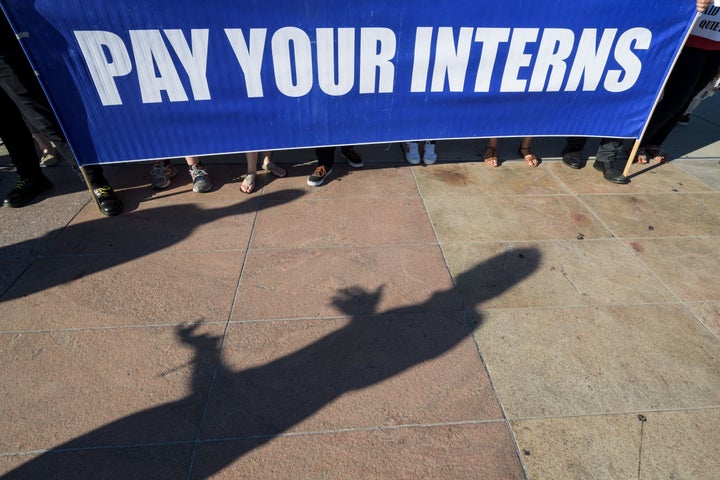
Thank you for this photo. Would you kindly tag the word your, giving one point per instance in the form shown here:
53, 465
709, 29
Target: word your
557, 58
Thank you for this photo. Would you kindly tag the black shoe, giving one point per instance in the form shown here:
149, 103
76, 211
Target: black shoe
107, 201
610, 173
572, 159
25, 190
353, 159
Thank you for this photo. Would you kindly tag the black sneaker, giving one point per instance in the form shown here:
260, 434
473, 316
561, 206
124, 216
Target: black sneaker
353, 159
318, 176
107, 201
25, 190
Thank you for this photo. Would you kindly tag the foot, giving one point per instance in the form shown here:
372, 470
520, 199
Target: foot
108, 203
572, 159
248, 183
200, 179
273, 168
529, 157
610, 173
49, 157
161, 174
649, 153
25, 190
351, 156
490, 157
412, 153
318, 177
429, 155
684, 120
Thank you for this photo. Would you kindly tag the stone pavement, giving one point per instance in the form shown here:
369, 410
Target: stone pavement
449, 321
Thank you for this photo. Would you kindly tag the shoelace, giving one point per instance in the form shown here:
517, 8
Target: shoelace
103, 191
20, 184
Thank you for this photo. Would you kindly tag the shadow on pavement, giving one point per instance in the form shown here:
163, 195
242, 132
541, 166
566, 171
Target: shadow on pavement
248, 408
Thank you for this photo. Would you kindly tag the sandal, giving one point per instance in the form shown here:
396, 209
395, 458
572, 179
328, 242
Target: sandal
248, 183
530, 159
650, 152
490, 157
273, 168
49, 157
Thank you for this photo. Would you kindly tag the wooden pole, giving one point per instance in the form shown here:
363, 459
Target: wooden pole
633, 152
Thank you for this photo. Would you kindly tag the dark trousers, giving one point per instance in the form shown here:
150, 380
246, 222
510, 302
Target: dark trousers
20, 88
18, 139
693, 70
609, 150
326, 157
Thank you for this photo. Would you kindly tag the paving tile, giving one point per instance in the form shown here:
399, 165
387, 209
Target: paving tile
587, 447
665, 178
343, 281
709, 314
681, 445
706, 170
475, 451
156, 462
359, 372
477, 219
343, 222
580, 361
688, 266
558, 273
74, 389
373, 181
658, 215
160, 227
450, 180
109, 290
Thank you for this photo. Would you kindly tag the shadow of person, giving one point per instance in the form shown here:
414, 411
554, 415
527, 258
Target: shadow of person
250, 407
153, 230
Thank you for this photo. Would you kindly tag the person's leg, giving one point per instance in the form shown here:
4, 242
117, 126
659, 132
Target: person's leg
200, 178
572, 153
351, 156
326, 159
48, 157
608, 152
429, 153
690, 74
270, 166
21, 147
161, 174
248, 183
490, 156
526, 152
412, 153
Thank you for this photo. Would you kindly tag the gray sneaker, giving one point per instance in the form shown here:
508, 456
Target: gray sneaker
200, 178
161, 174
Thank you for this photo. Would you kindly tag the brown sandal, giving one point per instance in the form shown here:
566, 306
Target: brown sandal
530, 159
490, 157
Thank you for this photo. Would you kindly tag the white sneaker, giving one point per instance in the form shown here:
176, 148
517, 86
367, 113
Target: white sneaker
412, 154
429, 156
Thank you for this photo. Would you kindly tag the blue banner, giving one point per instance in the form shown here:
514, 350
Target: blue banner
137, 80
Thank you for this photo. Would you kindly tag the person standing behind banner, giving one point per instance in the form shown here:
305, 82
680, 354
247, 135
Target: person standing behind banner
414, 156
710, 89
696, 66
163, 171
326, 160
248, 183
491, 159
610, 149
21, 89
